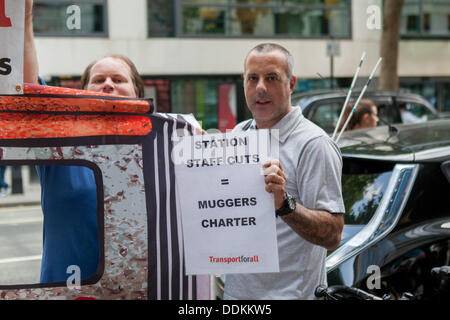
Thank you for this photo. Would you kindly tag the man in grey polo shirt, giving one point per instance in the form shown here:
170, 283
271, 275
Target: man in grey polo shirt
305, 182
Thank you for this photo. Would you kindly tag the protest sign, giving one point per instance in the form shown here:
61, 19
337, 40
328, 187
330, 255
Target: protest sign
12, 15
228, 218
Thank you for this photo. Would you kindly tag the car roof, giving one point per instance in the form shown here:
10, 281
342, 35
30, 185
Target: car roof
426, 141
306, 98
344, 91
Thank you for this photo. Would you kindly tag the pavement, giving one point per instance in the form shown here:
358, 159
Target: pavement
31, 196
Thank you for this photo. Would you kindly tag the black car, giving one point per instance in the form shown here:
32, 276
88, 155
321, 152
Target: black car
324, 107
396, 188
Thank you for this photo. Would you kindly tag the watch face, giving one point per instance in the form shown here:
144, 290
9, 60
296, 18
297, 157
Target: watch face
291, 202
289, 206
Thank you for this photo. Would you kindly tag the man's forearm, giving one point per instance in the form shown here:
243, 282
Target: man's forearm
316, 226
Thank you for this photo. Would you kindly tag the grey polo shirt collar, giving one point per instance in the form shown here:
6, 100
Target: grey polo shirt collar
286, 125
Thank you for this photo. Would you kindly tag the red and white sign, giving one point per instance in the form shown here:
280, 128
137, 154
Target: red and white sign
12, 17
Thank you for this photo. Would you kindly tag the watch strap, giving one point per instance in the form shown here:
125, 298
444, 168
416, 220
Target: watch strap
287, 207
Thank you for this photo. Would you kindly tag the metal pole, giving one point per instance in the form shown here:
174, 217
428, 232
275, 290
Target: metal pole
331, 71
349, 93
359, 98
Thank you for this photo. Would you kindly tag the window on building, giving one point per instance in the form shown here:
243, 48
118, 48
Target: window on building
161, 18
250, 18
216, 102
426, 18
196, 96
63, 18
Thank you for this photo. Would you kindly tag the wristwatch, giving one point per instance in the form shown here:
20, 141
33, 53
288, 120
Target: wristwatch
288, 206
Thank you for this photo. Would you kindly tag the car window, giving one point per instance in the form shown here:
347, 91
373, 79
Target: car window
386, 112
411, 112
326, 115
362, 194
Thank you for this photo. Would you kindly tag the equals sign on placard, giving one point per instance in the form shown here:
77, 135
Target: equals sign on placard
224, 181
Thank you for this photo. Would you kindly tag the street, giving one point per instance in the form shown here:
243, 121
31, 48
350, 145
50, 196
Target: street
21, 245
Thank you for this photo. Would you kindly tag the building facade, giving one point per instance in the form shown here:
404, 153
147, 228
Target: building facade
191, 52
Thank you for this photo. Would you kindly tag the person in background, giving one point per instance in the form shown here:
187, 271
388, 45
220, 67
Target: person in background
365, 116
69, 193
113, 74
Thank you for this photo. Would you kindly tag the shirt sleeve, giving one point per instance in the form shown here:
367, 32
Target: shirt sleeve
319, 176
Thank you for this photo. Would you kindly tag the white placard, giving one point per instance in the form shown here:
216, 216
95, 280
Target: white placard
228, 217
12, 17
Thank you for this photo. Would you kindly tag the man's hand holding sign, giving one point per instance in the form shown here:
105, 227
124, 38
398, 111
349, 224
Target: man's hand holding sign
316, 226
275, 180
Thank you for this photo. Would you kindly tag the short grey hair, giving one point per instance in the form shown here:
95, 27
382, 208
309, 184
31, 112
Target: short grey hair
270, 47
